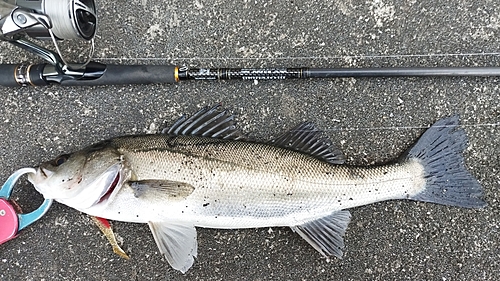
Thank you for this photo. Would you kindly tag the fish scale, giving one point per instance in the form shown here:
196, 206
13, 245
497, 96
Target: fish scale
261, 185
203, 172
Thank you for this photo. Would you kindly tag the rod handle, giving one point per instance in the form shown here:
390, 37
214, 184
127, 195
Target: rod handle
129, 74
7, 75
15, 75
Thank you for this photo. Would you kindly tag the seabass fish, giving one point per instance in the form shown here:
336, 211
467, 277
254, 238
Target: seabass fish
203, 172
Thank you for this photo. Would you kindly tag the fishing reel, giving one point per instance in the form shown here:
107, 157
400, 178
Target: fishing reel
65, 19
48, 19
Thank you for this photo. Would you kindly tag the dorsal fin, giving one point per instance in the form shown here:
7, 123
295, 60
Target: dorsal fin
209, 122
308, 139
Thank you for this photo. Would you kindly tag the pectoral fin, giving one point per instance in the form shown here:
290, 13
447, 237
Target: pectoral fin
326, 235
177, 241
165, 187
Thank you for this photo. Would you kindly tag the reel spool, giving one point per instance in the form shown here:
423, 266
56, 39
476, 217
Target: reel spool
69, 19
49, 19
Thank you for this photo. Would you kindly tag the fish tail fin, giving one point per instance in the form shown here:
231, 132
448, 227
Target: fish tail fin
448, 182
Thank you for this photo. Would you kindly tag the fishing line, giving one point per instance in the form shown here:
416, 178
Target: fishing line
62, 24
396, 128
303, 57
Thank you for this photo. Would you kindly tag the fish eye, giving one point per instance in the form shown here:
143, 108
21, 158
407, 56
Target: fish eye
60, 160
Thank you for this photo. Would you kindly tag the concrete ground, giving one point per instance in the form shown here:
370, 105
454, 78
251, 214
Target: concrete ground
373, 120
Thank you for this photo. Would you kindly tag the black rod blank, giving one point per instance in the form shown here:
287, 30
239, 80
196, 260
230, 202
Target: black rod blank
403, 72
101, 74
297, 73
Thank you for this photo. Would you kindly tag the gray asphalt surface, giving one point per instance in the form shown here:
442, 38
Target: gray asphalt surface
372, 120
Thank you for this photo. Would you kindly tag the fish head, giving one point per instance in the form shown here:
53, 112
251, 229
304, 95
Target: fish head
81, 179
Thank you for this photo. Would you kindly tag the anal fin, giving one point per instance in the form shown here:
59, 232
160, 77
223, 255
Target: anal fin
177, 242
326, 235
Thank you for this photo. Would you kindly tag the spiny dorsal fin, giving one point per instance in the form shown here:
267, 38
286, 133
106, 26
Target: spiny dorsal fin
209, 122
308, 139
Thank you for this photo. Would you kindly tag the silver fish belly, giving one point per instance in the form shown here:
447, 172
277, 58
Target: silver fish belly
204, 172
243, 184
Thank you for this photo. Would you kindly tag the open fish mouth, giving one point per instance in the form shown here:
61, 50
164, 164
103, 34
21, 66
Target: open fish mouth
110, 189
46, 173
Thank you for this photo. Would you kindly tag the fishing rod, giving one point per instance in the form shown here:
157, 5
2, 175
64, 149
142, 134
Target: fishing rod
77, 19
